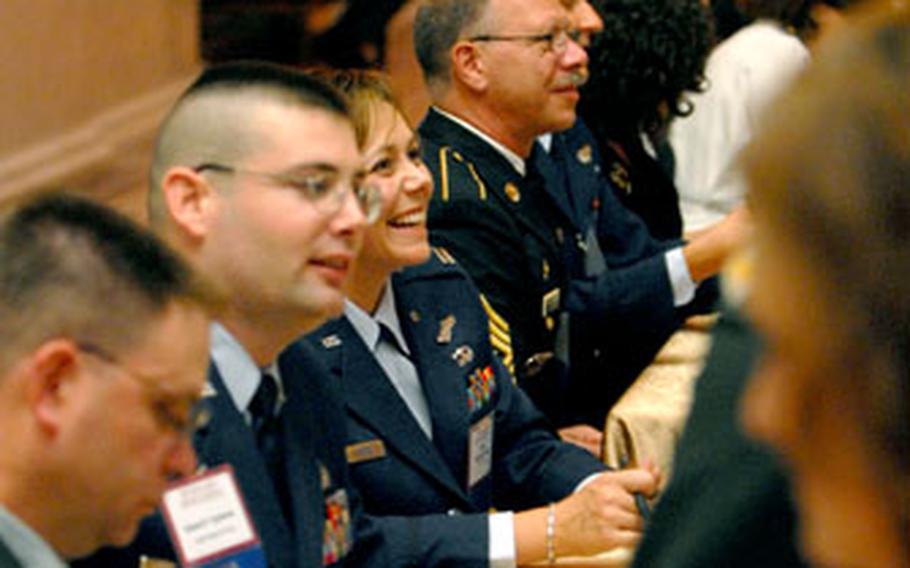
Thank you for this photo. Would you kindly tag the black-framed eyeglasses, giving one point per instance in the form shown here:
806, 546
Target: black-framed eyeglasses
556, 41
318, 187
198, 417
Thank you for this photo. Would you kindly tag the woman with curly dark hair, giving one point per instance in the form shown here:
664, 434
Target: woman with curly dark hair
651, 52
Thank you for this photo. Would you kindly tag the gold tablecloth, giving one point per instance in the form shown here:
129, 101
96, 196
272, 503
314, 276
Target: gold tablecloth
647, 421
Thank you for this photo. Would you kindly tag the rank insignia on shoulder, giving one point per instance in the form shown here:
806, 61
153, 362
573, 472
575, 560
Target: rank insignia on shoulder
584, 154
443, 255
512, 192
331, 341
463, 355
446, 325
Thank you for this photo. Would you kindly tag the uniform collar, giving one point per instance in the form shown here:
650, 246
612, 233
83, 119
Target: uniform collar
25, 544
239, 372
514, 159
367, 326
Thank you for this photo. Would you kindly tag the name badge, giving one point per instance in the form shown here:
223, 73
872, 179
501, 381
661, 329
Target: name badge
209, 522
364, 451
480, 450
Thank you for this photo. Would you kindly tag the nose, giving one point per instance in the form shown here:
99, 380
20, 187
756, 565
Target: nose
575, 55
417, 179
181, 460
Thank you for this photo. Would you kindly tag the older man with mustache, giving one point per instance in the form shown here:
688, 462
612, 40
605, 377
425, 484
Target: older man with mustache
552, 250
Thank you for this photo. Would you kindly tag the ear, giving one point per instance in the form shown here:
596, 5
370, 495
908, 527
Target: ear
468, 66
52, 371
190, 199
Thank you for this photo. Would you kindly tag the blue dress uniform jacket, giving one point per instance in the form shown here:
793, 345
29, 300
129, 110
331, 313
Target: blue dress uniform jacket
312, 423
525, 249
416, 489
510, 237
621, 317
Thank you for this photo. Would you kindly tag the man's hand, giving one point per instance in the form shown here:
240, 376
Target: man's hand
585, 437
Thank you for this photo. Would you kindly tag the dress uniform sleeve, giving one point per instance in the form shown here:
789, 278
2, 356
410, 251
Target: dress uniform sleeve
532, 466
425, 540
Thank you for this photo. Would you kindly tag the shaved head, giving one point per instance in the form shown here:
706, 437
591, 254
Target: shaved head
216, 119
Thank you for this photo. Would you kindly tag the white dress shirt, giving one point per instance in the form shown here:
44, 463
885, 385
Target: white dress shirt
744, 74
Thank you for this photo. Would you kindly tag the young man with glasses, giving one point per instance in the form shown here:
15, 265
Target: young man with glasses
97, 399
256, 178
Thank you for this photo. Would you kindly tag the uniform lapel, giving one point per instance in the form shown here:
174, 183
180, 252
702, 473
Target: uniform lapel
228, 439
558, 183
303, 475
372, 399
441, 377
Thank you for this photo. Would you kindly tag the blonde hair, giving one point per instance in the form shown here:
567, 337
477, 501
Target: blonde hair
366, 90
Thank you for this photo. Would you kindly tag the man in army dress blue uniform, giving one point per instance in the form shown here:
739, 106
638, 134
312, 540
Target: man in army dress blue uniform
501, 73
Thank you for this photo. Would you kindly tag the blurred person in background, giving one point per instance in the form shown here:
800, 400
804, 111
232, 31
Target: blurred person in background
648, 56
829, 178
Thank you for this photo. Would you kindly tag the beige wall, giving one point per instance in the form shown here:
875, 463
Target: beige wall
80, 78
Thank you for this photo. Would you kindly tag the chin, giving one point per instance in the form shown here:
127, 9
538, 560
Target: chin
418, 255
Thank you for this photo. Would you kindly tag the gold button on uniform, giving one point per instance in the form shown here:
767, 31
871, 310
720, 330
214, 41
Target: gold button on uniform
550, 323
584, 154
512, 192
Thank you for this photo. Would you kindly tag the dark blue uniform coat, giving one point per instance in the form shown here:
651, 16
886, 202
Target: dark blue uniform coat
416, 489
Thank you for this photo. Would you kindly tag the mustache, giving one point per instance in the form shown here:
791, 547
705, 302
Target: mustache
576, 78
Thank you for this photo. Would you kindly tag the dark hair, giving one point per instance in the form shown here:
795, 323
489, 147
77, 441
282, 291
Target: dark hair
437, 27
848, 219
650, 53
789, 13
358, 39
225, 134
71, 267
261, 74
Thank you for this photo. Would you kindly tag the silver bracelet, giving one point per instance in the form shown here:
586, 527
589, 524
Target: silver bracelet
551, 534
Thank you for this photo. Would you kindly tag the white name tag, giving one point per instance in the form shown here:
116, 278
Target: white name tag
480, 449
207, 518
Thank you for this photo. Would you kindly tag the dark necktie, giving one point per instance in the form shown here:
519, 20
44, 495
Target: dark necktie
267, 429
